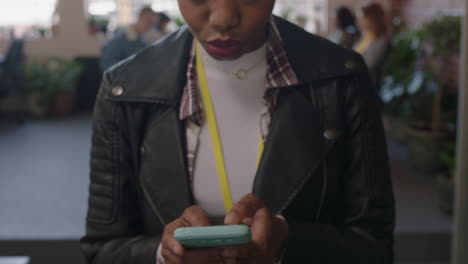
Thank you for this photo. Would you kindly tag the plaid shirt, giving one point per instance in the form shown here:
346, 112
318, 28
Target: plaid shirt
279, 74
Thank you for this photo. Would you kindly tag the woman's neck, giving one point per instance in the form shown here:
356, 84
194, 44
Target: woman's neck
244, 68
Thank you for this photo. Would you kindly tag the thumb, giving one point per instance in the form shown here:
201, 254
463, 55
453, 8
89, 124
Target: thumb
196, 216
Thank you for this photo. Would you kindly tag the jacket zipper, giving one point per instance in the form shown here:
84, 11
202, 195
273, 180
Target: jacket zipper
324, 190
294, 194
152, 205
324, 174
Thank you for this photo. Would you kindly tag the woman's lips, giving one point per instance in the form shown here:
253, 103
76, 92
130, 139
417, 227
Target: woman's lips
223, 48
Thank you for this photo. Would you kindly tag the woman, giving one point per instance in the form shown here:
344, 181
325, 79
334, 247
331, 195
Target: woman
373, 45
322, 191
346, 33
128, 40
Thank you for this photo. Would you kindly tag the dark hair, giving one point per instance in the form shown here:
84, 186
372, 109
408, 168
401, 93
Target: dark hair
163, 17
146, 10
376, 14
344, 17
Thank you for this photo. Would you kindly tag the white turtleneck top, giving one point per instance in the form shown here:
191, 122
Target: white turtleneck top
237, 105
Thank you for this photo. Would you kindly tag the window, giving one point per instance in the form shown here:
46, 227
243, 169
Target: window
26, 18
168, 6
101, 7
310, 14
124, 12
27, 12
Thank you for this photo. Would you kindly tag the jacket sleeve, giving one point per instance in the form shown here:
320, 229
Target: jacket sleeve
365, 235
113, 227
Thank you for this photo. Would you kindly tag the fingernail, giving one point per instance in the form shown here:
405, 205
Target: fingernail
229, 253
247, 221
230, 218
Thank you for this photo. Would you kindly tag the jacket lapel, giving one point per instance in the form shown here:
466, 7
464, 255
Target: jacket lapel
295, 148
164, 173
297, 143
156, 76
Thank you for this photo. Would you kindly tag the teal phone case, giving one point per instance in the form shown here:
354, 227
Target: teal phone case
213, 236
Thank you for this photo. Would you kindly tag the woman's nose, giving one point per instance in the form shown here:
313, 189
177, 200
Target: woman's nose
225, 15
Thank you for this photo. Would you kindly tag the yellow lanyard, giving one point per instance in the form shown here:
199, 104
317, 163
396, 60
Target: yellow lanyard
214, 133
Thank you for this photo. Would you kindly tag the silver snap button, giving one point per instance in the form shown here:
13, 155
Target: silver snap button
142, 149
330, 134
117, 90
350, 64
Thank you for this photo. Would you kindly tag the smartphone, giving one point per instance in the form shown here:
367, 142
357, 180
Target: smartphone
213, 236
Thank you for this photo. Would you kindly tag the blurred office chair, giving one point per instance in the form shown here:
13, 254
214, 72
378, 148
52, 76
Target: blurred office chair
11, 73
11, 68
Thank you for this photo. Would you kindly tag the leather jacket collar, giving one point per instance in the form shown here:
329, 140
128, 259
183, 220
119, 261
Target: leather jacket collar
155, 75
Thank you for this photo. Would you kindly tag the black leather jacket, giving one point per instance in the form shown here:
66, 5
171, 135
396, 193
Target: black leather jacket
324, 168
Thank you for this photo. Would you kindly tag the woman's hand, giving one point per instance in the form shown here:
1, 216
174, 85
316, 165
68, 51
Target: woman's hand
174, 253
269, 233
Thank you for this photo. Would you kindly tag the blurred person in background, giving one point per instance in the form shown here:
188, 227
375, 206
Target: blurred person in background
293, 119
347, 32
129, 40
160, 30
163, 23
374, 43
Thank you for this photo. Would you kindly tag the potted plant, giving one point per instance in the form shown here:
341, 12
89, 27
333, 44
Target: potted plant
51, 86
433, 108
443, 37
445, 179
179, 21
402, 80
96, 25
423, 146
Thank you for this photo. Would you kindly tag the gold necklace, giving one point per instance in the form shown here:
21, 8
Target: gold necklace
242, 73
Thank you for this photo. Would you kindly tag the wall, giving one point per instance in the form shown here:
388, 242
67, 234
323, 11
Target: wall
73, 39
